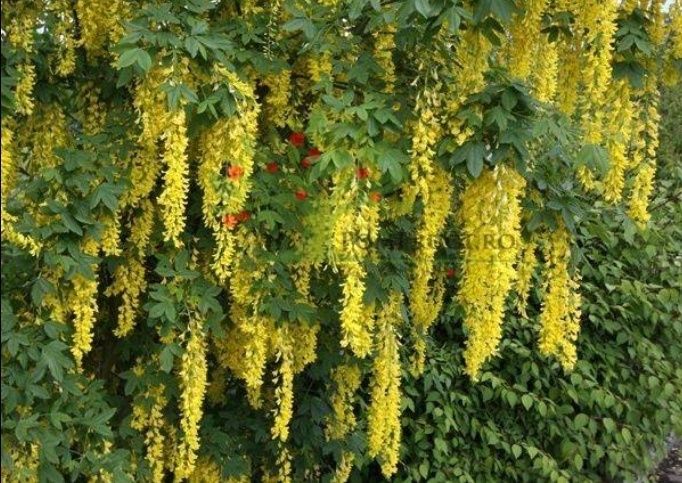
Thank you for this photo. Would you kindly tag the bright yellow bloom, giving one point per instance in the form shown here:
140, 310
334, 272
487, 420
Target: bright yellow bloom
130, 283
344, 469
383, 418
284, 385
193, 380
425, 300
384, 44
490, 215
83, 303
24, 92
560, 316
277, 102
174, 195
150, 422
346, 379
618, 140
525, 31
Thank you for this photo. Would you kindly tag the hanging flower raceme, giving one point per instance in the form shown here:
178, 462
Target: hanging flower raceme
618, 141
346, 380
65, 57
546, 70
642, 186
384, 44
468, 77
597, 23
560, 315
173, 198
277, 102
150, 104
383, 418
148, 418
426, 299
130, 283
225, 172
490, 215
525, 31
193, 379
83, 303
356, 226
100, 22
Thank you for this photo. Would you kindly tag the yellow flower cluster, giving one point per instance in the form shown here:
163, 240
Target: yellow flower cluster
525, 30
25, 464
23, 95
490, 215
346, 379
228, 145
111, 235
148, 418
524, 269
471, 56
193, 379
560, 315
426, 301
83, 303
284, 385
173, 198
383, 418
46, 131
207, 471
9, 176
546, 70
94, 112
150, 103
100, 21
597, 21
618, 128
130, 283
384, 43
355, 228
247, 345
141, 227
320, 67
65, 57
345, 468
277, 102
642, 187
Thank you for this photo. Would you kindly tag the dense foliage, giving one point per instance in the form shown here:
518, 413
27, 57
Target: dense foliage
229, 228
606, 421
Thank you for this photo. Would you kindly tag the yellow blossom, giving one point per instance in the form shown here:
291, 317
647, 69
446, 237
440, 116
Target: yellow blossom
193, 380
560, 315
383, 418
490, 215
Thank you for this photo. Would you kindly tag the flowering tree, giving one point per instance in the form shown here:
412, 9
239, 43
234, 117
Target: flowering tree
216, 214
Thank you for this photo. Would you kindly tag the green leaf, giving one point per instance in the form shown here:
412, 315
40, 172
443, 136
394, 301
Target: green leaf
527, 401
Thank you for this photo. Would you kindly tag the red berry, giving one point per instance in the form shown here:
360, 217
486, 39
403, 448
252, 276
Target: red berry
450, 273
297, 139
362, 173
305, 163
244, 216
235, 172
375, 196
314, 152
230, 221
301, 195
272, 167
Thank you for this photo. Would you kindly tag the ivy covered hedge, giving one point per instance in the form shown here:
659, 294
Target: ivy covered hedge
609, 418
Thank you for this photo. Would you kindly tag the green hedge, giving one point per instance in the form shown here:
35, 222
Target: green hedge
607, 420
